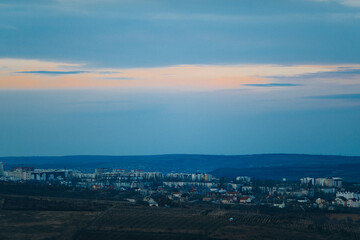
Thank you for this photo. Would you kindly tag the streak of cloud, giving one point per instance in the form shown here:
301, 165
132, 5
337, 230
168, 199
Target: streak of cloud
53, 72
352, 96
273, 85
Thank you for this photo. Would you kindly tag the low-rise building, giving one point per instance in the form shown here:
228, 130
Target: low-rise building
245, 200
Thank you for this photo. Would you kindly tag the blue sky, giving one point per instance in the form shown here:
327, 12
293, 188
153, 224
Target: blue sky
153, 77
152, 33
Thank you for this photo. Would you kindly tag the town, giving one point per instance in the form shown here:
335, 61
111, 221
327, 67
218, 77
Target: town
173, 189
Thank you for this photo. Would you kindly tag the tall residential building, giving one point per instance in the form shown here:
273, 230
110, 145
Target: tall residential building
1, 169
307, 181
329, 182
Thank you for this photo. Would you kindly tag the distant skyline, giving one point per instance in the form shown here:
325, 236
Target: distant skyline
199, 77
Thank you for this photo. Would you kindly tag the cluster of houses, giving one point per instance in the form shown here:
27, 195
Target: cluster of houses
348, 199
324, 193
340, 200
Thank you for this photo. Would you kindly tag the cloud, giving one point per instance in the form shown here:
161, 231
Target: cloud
352, 96
209, 17
337, 72
346, 70
103, 102
217, 33
107, 72
273, 85
119, 78
186, 77
53, 72
351, 3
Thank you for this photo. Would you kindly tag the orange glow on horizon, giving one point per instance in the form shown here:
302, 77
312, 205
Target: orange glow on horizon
188, 77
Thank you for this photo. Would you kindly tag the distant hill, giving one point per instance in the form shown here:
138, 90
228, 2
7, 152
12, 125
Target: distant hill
347, 171
258, 165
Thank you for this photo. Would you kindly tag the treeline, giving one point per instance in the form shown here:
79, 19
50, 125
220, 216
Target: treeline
43, 204
37, 189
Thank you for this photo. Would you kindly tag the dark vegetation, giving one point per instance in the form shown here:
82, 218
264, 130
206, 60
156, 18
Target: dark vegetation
45, 190
198, 222
46, 216
51, 204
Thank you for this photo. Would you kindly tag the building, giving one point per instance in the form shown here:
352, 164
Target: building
20, 173
307, 181
337, 182
246, 189
50, 175
348, 195
279, 205
329, 190
329, 182
243, 179
189, 177
341, 201
245, 200
99, 171
2, 169
353, 203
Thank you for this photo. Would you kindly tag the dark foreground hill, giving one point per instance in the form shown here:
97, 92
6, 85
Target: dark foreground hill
291, 166
60, 213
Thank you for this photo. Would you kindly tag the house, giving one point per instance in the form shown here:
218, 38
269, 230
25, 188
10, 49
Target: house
229, 193
96, 187
280, 197
160, 189
245, 200
279, 205
269, 197
348, 195
320, 201
303, 200
151, 202
177, 194
340, 201
331, 208
353, 203
225, 201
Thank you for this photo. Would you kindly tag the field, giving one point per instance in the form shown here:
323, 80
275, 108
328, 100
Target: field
36, 225
205, 223
26, 217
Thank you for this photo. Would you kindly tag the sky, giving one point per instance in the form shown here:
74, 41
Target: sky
133, 77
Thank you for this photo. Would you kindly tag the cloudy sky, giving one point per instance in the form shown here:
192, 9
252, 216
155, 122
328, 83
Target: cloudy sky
161, 76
